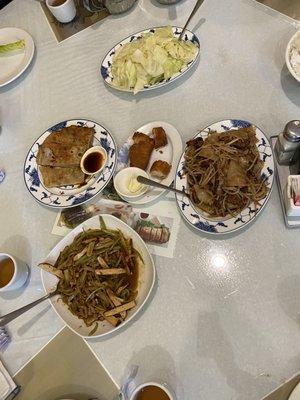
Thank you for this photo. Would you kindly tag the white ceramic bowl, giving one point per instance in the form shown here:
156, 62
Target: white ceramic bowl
121, 182
94, 149
137, 390
20, 275
288, 55
145, 282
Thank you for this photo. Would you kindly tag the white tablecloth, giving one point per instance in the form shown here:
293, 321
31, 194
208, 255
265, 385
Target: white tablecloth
230, 333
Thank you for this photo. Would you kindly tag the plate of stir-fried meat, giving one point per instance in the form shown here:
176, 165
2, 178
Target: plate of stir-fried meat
104, 274
226, 171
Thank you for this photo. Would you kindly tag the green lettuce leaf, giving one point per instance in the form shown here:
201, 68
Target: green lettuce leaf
10, 47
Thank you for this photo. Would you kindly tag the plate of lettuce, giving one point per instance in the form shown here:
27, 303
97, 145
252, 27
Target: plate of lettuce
16, 53
150, 59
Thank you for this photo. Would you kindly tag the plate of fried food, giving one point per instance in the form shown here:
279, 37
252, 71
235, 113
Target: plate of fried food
54, 171
154, 148
104, 274
227, 172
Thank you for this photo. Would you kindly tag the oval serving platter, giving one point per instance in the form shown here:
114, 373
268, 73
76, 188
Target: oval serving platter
108, 59
170, 153
146, 279
72, 195
194, 216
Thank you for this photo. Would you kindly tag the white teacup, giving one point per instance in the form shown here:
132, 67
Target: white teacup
19, 274
163, 387
63, 10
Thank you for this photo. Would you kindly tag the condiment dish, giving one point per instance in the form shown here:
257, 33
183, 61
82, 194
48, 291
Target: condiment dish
93, 160
126, 178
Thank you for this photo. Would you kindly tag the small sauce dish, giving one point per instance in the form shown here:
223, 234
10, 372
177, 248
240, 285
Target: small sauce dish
93, 160
127, 186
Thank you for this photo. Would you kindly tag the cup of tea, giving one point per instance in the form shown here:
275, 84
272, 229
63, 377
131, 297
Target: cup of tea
13, 272
152, 390
63, 10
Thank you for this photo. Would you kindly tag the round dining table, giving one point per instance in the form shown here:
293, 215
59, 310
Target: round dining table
212, 330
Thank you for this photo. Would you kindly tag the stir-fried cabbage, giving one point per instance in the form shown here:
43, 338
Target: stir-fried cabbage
150, 59
10, 47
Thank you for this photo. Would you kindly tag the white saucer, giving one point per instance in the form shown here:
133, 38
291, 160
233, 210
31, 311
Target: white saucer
295, 395
170, 153
12, 66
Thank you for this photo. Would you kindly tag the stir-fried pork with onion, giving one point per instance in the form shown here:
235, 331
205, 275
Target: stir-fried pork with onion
224, 172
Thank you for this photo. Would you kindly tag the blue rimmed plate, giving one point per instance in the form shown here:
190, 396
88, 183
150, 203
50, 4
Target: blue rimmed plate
227, 225
72, 195
108, 59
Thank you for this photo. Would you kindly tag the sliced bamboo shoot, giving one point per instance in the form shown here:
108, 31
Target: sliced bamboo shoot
52, 270
102, 262
112, 320
120, 309
110, 271
79, 255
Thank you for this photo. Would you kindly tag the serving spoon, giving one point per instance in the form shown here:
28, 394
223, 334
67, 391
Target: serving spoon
5, 319
150, 182
195, 9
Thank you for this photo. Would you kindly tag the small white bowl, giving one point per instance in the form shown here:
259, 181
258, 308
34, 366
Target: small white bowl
287, 55
160, 385
94, 149
121, 183
20, 275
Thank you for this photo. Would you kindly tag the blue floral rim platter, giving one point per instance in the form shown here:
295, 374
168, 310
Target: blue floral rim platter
72, 195
229, 225
108, 59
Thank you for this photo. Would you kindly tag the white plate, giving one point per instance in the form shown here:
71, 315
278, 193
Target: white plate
202, 222
12, 66
295, 395
170, 153
108, 59
145, 282
72, 195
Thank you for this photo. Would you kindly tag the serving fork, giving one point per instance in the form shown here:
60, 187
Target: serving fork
195, 9
5, 319
150, 182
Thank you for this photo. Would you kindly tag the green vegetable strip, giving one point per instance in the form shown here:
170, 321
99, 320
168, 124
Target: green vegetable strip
94, 329
102, 223
9, 47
